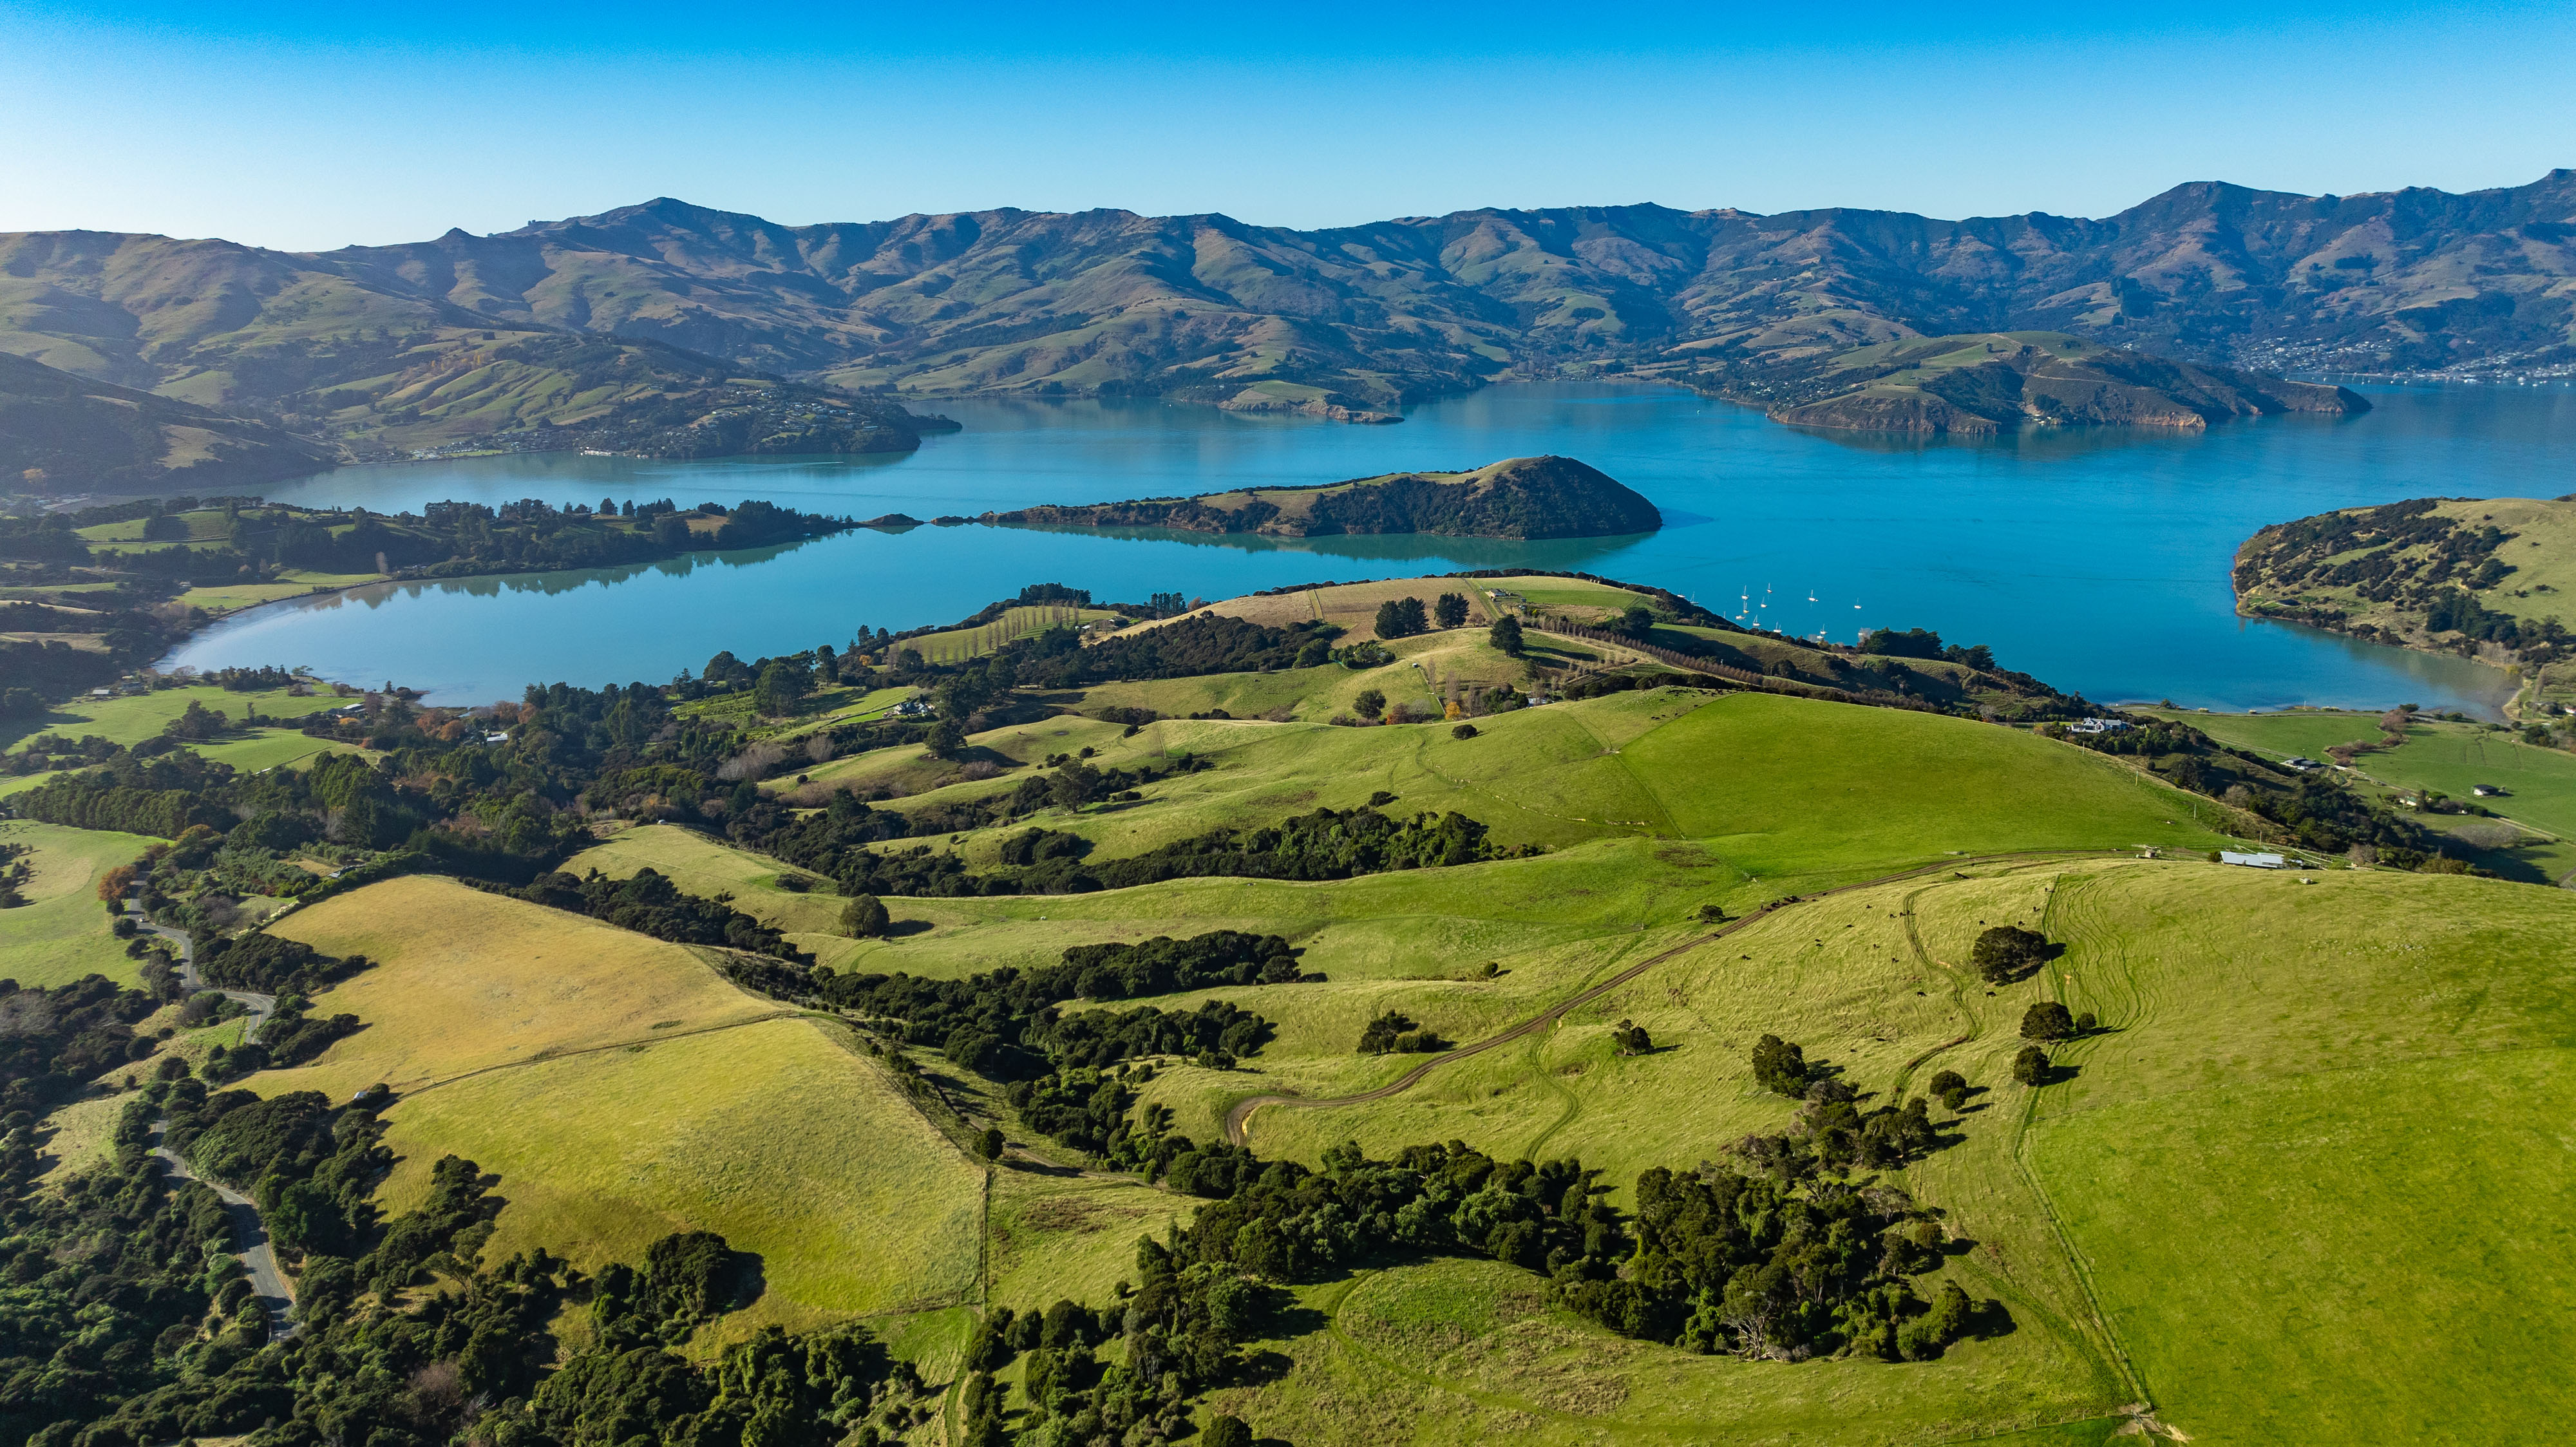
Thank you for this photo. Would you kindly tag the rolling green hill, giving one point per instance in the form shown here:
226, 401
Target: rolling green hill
2222, 1144
1992, 382
2234, 1001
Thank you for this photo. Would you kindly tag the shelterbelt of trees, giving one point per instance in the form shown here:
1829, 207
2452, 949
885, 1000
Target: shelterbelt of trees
445, 539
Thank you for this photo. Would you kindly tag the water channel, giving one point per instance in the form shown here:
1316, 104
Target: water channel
2096, 559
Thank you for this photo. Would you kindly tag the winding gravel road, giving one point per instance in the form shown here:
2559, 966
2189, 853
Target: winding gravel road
250, 1233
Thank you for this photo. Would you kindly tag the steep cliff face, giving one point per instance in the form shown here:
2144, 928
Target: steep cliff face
2000, 381
1521, 497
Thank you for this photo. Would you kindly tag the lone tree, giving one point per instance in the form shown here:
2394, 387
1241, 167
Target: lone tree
1950, 1088
2047, 1020
2030, 1067
2008, 952
1226, 1430
1629, 1038
947, 739
1369, 704
1506, 635
1780, 1067
989, 1144
1463, 731
1637, 621
1451, 610
782, 686
865, 918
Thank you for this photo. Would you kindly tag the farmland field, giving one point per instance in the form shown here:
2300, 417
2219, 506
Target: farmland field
61, 933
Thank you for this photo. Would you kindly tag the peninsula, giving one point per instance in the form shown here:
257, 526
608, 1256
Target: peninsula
2482, 578
1521, 497
1984, 383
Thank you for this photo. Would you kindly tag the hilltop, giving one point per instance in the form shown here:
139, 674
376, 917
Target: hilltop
63, 433
2483, 578
1519, 497
1989, 382
1347, 322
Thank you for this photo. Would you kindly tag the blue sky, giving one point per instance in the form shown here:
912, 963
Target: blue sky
310, 126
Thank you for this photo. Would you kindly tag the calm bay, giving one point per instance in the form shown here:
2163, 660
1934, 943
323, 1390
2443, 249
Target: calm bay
2096, 559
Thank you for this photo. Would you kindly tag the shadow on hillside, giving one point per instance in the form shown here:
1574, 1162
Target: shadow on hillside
1029, 1166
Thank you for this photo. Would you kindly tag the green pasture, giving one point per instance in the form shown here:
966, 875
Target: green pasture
2450, 757
2348, 1088
2353, 1092
61, 934
1787, 790
131, 719
290, 583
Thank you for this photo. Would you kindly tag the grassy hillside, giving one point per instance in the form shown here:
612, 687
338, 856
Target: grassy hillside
623, 1090
60, 433
2482, 578
1805, 788
2312, 1135
135, 717
2240, 1006
61, 933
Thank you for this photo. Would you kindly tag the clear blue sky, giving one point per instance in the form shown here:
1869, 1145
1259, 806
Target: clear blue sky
310, 126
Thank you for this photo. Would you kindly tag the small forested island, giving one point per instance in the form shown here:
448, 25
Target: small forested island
1519, 497
2479, 578
1984, 383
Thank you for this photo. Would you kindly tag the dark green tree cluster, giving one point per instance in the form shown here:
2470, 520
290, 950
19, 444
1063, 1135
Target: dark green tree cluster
2047, 1020
131, 1324
53, 1042
273, 965
1327, 844
648, 903
2005, 952
1402, 618
1781, 1067
1202, 643
1397, 1033
1762, 1265
998, 1023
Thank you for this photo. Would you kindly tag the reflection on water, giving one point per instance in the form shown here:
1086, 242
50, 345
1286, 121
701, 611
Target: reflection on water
2095, 558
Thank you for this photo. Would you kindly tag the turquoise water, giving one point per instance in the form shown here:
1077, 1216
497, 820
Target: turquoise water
2097, 560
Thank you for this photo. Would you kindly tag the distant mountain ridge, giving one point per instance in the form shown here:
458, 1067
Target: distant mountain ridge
62, 433
1361, 318
1993, 382
1519, 497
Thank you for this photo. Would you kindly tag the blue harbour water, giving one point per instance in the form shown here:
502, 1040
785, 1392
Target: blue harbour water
2096, 559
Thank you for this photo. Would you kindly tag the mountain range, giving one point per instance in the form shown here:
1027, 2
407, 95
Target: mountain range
373, 349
